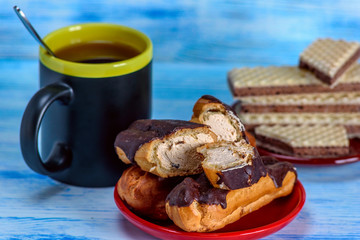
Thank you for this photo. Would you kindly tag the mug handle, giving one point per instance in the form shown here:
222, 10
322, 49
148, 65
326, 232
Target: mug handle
60, 156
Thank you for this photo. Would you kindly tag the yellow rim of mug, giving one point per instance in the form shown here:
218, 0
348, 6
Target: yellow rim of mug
89, 32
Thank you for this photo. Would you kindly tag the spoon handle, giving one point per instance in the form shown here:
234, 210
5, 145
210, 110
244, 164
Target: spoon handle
30, 28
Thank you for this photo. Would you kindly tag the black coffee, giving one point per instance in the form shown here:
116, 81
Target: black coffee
97, 52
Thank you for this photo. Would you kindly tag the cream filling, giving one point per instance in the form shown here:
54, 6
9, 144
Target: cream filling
180, 153
221, 126
225, 156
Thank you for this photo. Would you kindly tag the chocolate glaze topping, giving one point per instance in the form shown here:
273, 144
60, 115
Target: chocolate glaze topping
277, 170
146, 130
198, 188
245, 176
201, 190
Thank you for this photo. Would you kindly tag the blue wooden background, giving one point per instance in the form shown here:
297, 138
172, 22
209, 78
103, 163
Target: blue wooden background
195, 44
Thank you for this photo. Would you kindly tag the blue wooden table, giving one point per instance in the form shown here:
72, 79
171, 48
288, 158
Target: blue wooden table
195, 44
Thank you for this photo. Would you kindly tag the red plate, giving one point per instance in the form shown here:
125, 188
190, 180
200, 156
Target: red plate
258, 224
354, 156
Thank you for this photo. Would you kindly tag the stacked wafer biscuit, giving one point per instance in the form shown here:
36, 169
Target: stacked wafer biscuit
322, 93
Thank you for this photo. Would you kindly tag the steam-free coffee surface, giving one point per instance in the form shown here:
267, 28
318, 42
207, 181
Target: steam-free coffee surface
97, 52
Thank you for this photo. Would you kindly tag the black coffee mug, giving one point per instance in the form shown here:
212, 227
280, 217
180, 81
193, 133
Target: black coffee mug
81, 107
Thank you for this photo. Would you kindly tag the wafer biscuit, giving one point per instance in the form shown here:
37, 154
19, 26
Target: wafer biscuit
351, 121
311, 141
307, 102
328, 59
273, 80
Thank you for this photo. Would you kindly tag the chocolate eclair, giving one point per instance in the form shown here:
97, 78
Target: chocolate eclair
166, 148
196, 206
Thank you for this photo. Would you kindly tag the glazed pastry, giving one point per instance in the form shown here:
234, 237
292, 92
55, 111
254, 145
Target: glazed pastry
222, 120
231, 165
165, 148
196, 206
144, 192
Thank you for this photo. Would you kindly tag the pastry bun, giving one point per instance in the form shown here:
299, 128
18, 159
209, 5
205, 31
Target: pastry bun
196, 206
144, 192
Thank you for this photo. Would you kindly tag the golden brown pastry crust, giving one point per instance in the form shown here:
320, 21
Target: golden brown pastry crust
202, 105
199, 217
251, 138
207, 104
144, 192
121, 154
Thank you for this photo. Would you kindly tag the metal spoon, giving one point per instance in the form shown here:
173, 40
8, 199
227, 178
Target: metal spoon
31, 30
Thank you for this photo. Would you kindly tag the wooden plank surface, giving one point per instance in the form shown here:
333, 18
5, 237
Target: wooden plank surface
195, 44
